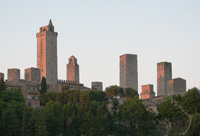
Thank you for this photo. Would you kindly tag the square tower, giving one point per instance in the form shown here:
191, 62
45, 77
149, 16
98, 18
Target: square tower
128, 71
176, 86
13, 74
1, 76
47, 54
147, 92
73, 70
97, 86
32, 74
164, 73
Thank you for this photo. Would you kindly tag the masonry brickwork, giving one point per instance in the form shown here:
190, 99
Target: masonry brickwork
97, 86
32, 74
47, 54
164, 73
73, 70
129, 71
1, 76
13, 74
176, 86
147, 92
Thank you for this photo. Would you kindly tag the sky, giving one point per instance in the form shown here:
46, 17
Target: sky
97, 32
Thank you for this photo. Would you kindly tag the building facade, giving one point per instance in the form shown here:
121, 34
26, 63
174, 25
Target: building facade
129, 71
47, 54
164, 73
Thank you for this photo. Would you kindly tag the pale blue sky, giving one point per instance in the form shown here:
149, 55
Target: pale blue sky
97, 32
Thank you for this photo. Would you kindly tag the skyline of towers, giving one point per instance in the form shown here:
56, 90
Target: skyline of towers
73, 70
47, 54
128, 71
164, 73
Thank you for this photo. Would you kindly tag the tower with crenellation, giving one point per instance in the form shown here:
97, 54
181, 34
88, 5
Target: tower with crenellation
47, 54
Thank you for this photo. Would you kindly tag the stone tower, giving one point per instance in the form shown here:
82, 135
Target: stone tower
47, 54
147, 92
97, 86
128, 71
176, 86
164, 73
73, 70
32, 74
13, 74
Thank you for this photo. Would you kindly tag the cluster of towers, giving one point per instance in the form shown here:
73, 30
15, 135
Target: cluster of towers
47, 67
165, 84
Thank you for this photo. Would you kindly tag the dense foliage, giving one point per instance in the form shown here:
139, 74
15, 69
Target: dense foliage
85, 113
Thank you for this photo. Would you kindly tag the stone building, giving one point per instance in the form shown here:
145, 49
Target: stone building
147, 92
64, 85
164, 73
32, 74
13, 74
128, 71
97, 86
29, 90
73, 70
47, 54
1, 76
176, 86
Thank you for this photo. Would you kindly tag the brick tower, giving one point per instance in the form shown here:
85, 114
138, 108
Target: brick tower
73, 70
128, 71
164, 73
47, 54
147, 92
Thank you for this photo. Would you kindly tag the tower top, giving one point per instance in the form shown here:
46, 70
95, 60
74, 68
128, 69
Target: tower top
72, 59
50, 22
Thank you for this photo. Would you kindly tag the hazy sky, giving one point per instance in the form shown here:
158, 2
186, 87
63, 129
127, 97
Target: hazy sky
97, 32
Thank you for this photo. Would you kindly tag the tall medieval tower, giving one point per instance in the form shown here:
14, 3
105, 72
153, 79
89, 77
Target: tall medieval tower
47, 54
128, 71
164, 73
73, 70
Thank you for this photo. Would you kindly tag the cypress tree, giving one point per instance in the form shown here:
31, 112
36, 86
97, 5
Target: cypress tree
43, 86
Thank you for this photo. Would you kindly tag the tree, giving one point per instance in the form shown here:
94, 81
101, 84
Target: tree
191, 101
114, 90
41, 123
91, 126
194, 129
134, 112
43, 86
